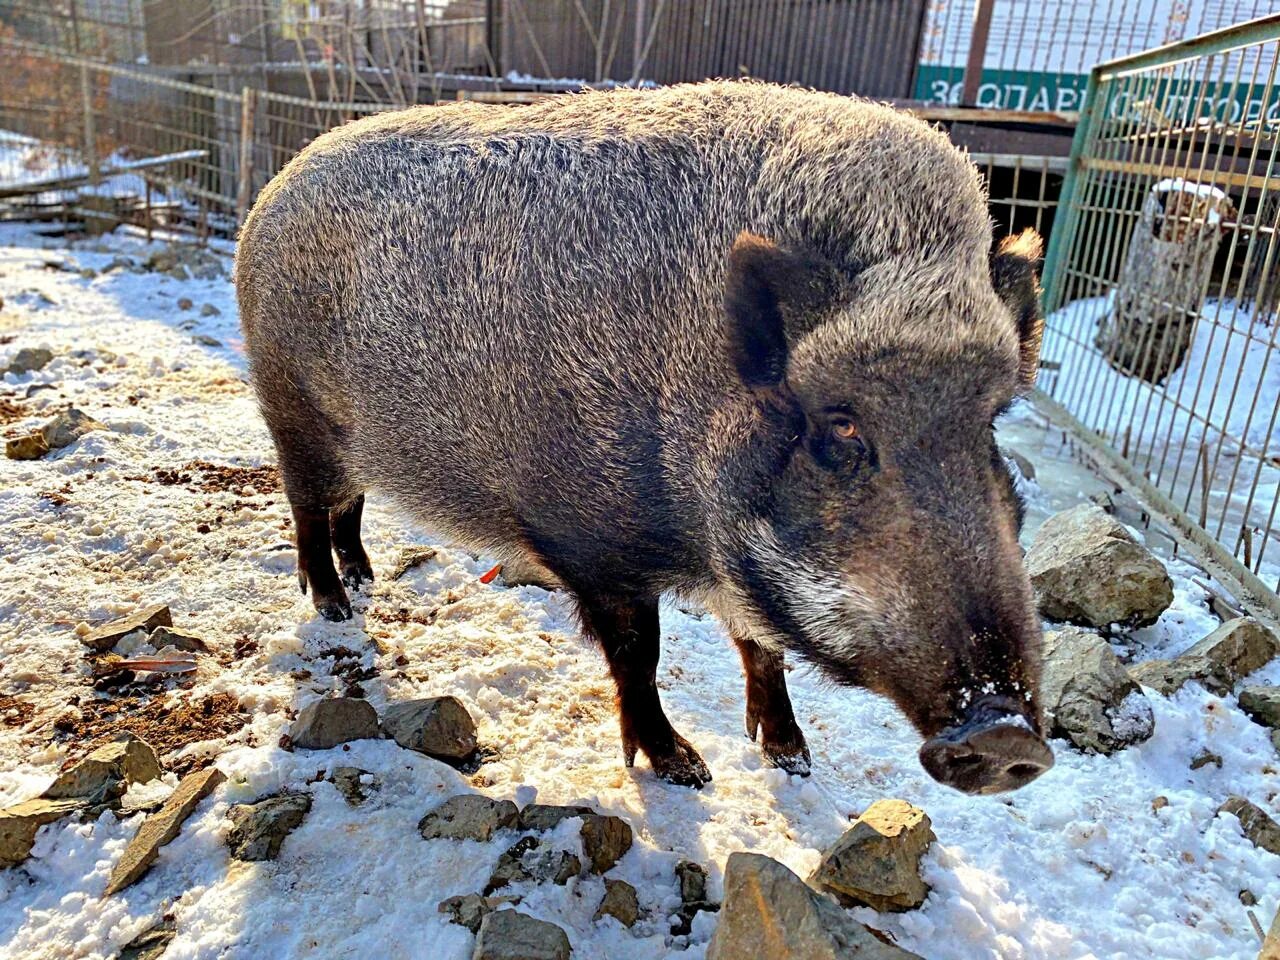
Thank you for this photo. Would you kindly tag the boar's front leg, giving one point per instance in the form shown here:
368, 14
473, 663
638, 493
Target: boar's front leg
769, 712
628, 632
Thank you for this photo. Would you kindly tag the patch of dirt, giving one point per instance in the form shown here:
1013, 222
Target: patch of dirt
11, 412
201, 476
14, 712
168, 722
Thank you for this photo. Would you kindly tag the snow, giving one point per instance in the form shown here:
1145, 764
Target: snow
1077, 865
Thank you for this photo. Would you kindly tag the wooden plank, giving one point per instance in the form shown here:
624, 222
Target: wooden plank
977, 52
103, 171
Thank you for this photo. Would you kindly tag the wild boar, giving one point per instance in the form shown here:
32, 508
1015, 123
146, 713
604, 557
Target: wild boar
735, 341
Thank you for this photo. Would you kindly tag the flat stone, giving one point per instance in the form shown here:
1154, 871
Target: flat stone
876, 863
29, 359
352, 786
411, 557
1025, 466
108, 772
68, 427
162, 637
33, 446
331, 721
151, 944
105, 637
468, 817
769, 912
620, 902
508, 935
1231, 652
1087, 568
1258, 827
605, 840
1167, 677
161, 827
1089, 696
20, 823
1262, 704
466, 910
258, 829
209, 310
544, 816
184, 303
439, 727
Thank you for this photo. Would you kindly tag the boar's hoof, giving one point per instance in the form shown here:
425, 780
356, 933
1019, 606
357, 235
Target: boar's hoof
337, 609
355, 572
788, 758
681, 766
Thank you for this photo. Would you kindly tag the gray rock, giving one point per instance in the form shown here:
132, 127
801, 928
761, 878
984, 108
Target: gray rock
605, 840
769, 912
106, 773
468, 817
68, 427
1204, 758
105, 637
1025, 466
876, 863
470, 909
620, 902
439, 727
151, 944
29, 359
1262, 704
258, 829
350, 784
1087, 568
162, 637
692, 878
330, 721
1258, 827
508, 935
20, 823
209, 310
544, 816
511, 867
1088, 694
161, 827
1234, 650
33, 446
411, 557
204, 340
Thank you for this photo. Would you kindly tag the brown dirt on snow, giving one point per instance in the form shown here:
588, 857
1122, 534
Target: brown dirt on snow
11, 412
201, 476
168, 722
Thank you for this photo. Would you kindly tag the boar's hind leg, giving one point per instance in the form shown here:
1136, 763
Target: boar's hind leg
769, 710
353, 562
627, 630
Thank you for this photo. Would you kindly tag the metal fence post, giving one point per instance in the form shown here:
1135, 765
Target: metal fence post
248, 116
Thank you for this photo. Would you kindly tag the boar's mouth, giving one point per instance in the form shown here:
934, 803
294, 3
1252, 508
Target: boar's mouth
993, 750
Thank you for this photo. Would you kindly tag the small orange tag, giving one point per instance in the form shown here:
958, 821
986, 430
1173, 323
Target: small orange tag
489, 577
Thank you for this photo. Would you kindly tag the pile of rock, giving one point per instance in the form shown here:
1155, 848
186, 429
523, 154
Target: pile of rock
439, 727
62, 431
1218, 662
182, 262
768, 911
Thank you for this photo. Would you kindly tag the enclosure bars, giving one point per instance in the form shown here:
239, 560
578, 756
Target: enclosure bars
1163, 390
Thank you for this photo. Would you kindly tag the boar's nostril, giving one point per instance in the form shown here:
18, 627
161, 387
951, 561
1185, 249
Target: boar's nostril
989, 756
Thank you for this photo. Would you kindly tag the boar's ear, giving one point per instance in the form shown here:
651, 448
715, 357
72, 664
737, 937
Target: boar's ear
1013, 274
762, 278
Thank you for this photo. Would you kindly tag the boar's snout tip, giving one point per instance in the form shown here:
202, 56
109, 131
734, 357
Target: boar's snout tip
993, 755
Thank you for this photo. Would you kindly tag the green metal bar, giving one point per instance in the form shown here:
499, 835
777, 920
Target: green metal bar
1068, 215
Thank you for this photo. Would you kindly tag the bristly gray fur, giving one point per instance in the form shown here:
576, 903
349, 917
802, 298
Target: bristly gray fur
511, 322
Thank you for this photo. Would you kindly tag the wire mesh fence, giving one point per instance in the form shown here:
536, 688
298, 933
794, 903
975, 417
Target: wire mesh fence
1162, 282
115, 144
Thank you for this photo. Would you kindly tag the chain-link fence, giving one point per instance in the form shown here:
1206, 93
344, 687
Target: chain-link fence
1162, 286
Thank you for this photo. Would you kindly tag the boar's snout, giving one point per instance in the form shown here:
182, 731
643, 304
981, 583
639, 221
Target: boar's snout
992, 751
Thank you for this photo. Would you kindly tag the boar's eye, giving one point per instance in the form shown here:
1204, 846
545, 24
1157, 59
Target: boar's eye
845, 430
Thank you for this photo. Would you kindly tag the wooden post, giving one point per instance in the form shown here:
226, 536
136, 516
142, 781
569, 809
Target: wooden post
493, 26
248, 115
90, 151
637, 48
977, 53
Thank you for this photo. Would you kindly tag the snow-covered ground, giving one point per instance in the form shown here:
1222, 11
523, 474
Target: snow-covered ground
1077, 865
